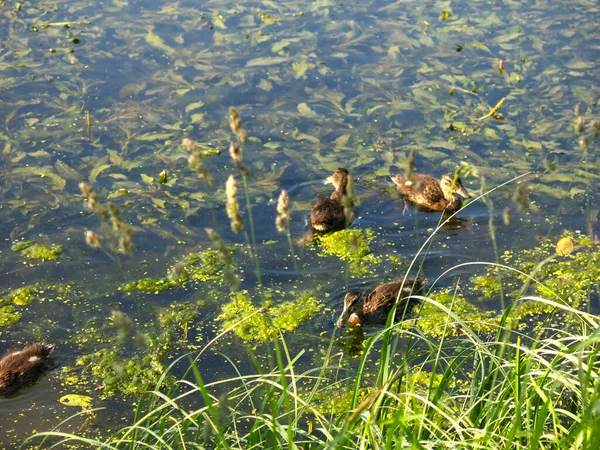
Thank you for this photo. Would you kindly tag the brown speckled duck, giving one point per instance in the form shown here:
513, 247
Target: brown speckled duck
328, 214
375, 306
430, 193
24, 367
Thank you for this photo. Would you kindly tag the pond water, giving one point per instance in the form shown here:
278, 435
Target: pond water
318, 85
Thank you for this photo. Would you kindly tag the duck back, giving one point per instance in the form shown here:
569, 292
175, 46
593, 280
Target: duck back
23, 367
379, 302
328, 215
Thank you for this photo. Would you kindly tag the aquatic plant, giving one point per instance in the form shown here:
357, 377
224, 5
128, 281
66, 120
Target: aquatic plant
351, 246
262, 324
207, 265
32, 250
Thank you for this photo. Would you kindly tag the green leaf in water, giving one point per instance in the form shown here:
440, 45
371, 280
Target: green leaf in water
82, 401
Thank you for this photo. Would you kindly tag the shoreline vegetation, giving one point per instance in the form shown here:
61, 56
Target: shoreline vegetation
456, 375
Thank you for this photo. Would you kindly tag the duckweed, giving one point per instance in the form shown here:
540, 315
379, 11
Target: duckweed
126, 371
435, 322
489, 286
351, 246
125, 374
43, 252
21, 245
564, 278
23, 296
8, 316
290, 315
199, 267
257, 328
265, 323
155, 285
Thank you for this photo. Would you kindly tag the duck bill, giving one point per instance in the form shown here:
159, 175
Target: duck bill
328, 180
343, 318
463, 192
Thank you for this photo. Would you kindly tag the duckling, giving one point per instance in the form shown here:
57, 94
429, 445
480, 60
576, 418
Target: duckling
375, 306
328, 214
430, 193
24, 367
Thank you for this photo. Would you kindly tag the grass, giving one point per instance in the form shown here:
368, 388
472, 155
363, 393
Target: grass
511, 392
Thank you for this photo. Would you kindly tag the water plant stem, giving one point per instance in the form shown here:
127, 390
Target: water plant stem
254, 248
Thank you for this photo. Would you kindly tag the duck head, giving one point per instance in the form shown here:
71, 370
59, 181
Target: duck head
450, 186
339, 179
353, 305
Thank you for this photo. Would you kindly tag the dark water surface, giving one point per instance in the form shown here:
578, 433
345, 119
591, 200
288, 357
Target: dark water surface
319, 85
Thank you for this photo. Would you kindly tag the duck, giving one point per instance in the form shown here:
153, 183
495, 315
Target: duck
328, 215
429, 193
23, 367
374, 307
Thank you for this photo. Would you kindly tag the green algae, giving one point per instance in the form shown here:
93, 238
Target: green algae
290, 315
154, 285
21, 245
23, 296
488, 286
435, 322
8, 316
122, 369
119, 373
568, 279
257, 328
43, 252
266, 322
31, 250
175, 323
198, 267
351, 246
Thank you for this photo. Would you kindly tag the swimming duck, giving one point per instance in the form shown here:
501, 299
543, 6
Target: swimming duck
375, 306
430, 193
24, 367
328, 214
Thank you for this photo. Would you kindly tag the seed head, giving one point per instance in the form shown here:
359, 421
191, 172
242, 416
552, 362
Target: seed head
233, 207
236, 155
92, 199
195, 159
218, 243
86, 189
521, 198
92, 239
284, 213
579, 124
595, 126
410, 165
235, 122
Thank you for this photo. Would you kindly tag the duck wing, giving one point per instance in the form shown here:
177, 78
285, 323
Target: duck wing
420, 189
380, 300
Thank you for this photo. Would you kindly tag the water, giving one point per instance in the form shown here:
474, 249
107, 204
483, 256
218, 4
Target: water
319, 85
